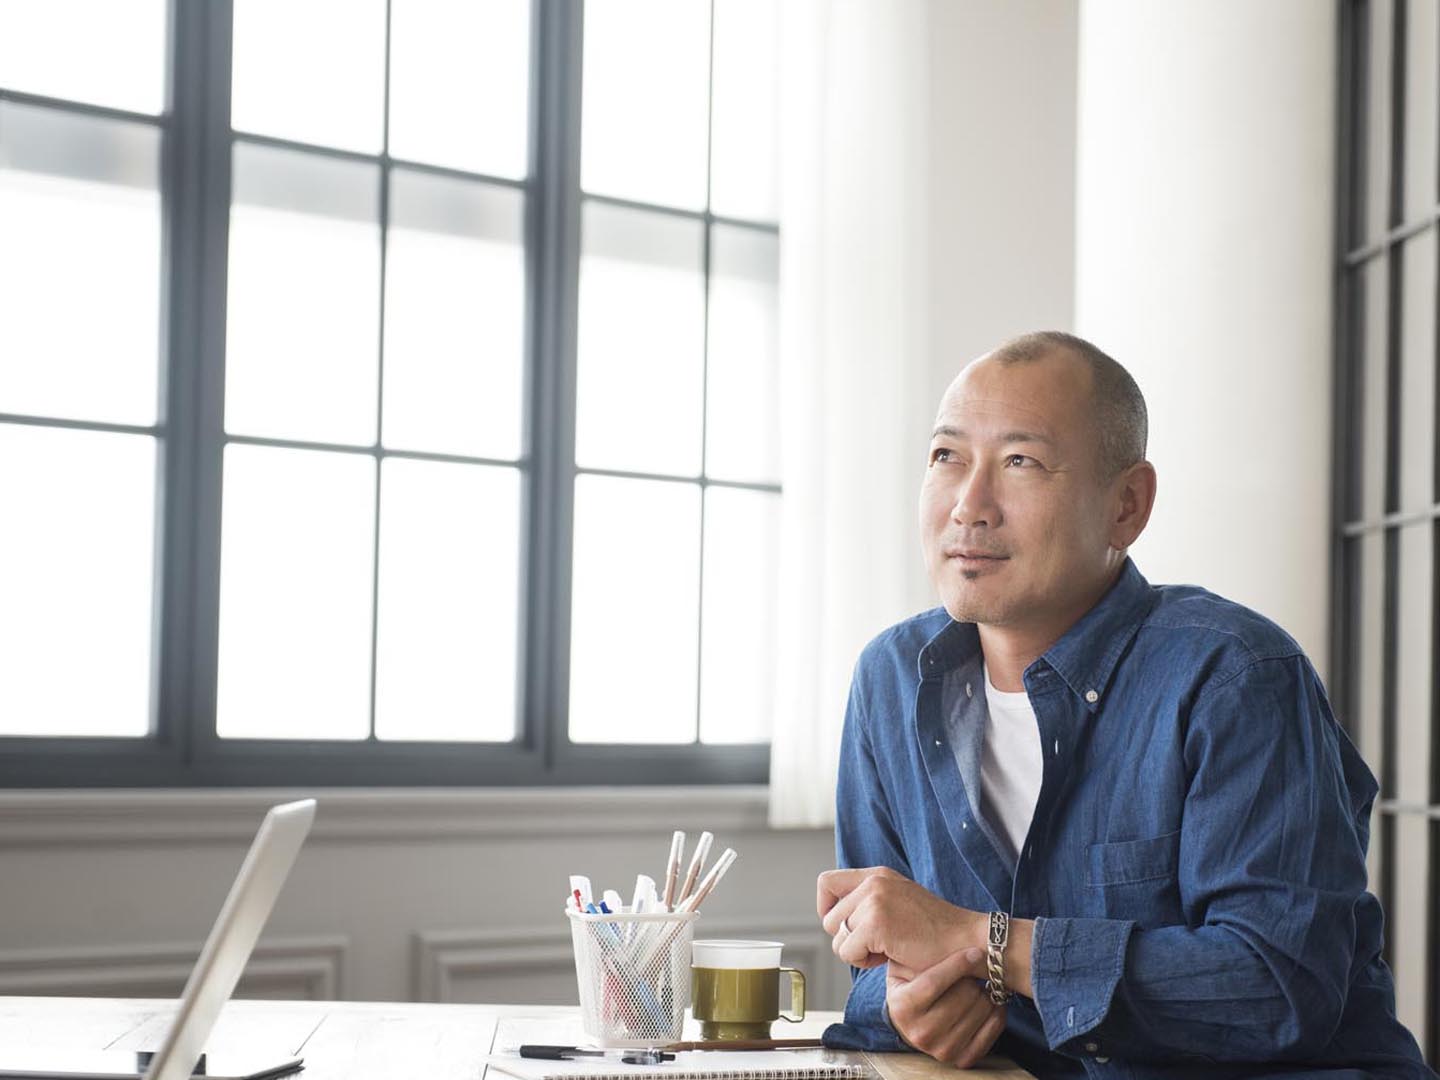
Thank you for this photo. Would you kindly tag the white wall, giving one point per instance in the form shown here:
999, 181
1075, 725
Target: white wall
1205, 218
1159, 178
1002, 184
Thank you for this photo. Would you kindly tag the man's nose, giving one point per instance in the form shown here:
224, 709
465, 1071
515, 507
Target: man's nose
975, 501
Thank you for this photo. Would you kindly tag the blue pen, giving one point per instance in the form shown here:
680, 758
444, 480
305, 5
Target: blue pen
608, 929
636, 979
605, 908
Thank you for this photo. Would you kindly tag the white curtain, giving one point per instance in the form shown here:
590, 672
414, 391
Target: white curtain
855, 384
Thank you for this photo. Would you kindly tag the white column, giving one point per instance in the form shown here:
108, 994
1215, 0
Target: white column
1002, 175
1204, 254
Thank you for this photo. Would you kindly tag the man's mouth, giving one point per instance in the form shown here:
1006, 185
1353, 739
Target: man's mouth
967, 556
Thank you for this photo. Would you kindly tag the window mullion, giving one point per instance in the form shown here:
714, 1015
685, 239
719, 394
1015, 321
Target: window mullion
197, 196
552, 244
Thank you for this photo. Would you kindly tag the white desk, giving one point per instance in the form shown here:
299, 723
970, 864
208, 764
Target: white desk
359, 1040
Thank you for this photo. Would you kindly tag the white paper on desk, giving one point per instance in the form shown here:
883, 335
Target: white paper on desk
119, 1065
242, 1045
513, 1032
379, 1044
242, 1031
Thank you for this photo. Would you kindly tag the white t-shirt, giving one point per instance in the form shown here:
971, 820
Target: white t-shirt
1011, 764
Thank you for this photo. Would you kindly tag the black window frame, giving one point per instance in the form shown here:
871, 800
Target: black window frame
183, 749
1350, 523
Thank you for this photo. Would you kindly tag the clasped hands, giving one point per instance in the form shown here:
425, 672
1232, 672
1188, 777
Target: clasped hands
934, 988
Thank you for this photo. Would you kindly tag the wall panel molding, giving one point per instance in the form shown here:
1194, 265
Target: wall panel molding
308, 968
440, 958
171, 816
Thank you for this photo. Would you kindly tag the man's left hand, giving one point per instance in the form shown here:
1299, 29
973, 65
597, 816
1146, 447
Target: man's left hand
875, 914
944, 1011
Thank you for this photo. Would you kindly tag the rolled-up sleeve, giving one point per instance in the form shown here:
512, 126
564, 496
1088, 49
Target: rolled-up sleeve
866, 1025
1271, 869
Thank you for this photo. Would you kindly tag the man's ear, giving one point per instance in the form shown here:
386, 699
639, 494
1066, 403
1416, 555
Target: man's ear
1135, 497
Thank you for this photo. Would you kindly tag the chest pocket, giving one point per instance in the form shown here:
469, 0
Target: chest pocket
1136, 879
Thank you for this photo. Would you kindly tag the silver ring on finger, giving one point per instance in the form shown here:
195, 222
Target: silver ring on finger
844, 925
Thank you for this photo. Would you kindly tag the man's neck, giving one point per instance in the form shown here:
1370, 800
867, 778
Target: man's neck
1009, 650
1008, 653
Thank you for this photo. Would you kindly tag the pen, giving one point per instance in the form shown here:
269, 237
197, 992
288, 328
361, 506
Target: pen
711, 880
672, 868
644, 894
581, 884
697, 863
638, 1056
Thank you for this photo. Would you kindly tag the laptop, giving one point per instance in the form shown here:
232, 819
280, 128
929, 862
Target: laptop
211, 982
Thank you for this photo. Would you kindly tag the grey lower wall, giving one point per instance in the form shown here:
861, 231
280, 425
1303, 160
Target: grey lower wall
397, 896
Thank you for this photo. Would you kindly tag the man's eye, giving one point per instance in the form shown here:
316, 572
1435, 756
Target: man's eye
941, 455
1018, 461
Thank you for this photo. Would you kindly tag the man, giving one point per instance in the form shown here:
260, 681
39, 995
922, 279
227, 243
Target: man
1128, 808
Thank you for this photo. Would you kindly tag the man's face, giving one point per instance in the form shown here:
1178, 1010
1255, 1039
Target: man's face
1014, 515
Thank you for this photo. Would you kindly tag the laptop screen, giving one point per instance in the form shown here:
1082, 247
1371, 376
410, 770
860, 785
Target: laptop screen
236, 929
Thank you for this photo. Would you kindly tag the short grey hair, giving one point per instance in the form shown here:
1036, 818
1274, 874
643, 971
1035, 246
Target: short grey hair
1121, 421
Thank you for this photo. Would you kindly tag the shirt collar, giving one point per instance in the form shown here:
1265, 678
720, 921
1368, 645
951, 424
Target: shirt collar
1086, 654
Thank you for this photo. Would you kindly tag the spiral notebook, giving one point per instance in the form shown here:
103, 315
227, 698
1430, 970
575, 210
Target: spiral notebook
804, 1064
698, 1065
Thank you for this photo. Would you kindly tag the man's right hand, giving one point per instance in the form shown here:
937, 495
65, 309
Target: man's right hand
875, 914
944, 1011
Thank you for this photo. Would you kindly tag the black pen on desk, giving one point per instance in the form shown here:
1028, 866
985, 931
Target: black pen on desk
672, 868
637, 1056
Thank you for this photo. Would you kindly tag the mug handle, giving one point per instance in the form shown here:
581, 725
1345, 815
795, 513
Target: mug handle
797, 995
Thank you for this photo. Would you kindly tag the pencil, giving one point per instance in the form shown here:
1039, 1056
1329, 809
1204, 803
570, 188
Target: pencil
745, 1044
711, 880
672, 868
697, 863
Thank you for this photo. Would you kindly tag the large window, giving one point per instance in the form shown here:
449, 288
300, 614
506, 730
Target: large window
1387, 484
388, 391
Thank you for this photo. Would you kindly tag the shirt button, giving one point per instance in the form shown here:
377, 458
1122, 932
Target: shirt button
964, 824
1091, 1047
1101, 1060
1091, 696
969, 692
1057, 746
937, 742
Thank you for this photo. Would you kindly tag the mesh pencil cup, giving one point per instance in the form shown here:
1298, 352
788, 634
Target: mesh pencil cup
634, 975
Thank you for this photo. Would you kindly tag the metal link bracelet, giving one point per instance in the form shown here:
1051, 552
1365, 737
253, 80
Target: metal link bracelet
995, 957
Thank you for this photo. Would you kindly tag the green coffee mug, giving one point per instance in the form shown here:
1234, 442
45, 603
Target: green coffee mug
735, 989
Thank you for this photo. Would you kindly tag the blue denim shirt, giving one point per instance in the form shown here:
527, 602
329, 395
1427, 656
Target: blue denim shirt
1196, 863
